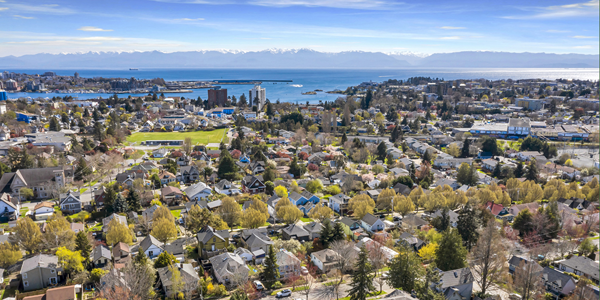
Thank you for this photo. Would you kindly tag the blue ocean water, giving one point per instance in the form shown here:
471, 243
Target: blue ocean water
304, 80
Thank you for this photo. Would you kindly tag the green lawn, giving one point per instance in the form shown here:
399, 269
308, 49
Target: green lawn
198, 137
306, 220
96, 227
368, 295
176, 213
23, 211
83, 190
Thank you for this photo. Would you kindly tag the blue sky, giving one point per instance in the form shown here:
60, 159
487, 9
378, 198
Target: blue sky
28, 27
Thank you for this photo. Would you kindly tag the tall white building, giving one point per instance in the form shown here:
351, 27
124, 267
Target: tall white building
260, 93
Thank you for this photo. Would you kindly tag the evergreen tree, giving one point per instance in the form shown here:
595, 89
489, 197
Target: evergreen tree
467, 226
120, 204
362, 280
227, 167
519, 170
405, 270
451, 253
295, 169
427, 156
259, 156
271, 269
381, 151
82, 170
338, 232
497, 173
326, 234
54, 125
82, 244
473, 175
395, 134
442, 222
464, 153
141, 259
344, 138
532, 171
464, 174
134, 201
428, 288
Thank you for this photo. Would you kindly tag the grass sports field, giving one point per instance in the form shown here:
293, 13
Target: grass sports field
198, 137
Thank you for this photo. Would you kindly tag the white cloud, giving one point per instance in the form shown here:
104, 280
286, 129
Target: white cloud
584, 37
3, 8
583, 47
99, 38
583, 9
557, 31
452, 28
41, 9
92, 28
354, 4
450, 38
23, 17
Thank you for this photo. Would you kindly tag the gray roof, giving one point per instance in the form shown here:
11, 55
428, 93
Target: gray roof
456, 277
99, 252
414, 220
207, 233
32, 177
195, 189
582, 264
296, 230
518, 122
370, 219
149, 241
121, 219
516, 261
313, 227
42, 260
227, 263
398, 295
176, 247
348, 222
258, 241
554, 276
200, 203
188, 274
453, 216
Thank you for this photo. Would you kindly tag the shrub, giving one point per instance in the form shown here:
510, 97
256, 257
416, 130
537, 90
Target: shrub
277, 285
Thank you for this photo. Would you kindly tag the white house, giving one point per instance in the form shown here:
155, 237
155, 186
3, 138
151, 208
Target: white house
225, 187
43, 210
325, 260
288, 263
372, 223
151, 247
198, 191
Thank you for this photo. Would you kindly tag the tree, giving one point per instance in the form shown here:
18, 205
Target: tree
586, 247
134, 281
523, 222
163, 212
199, 217
451, 253
428, 288
361, 205
342, 262
427, 253
271, 269
54, 124
71, 261
287, 212
96, 274
403, 205
384, 200
321, 213
141, 259
27, 193
227, 167
163, 230
10, 254
442, 222
532, 171
583, 290
28, 235
362, 281
82, 244
281, 191
519, 170
58, 233
230, 211
82, 170
528, 279
118, 232
177, 284
164, 259
488, 257
295, 169
381, 151
464, 174
134, 201
120, 204
253, 218
464, 152
405, 270
467, 226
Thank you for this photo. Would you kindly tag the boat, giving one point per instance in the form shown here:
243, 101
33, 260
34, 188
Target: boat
133, 69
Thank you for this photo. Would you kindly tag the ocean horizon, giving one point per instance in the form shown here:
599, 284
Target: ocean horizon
303, 80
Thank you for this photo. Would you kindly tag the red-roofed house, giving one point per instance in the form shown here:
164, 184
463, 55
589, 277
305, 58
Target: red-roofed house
498, 211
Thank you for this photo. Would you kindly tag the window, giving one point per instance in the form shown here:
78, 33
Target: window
25, 283
52, 271
24, 275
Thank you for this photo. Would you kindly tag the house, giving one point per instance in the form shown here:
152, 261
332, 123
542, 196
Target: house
211, 241
256, 167
256, 239
128, 177
399, 172
451, 214
457, 284
151, 247
580, 265
177, 247
160, 153
43, 181
399, 295
489, 164
57, 293
245, 254
225, 187
400, 188
229, 269
289, 264
121, 253
106, 221
171, 195
558, 283
325, 260
515, 262
411, 241
188, 174
370, 244
39, 272
498, 211
338, 202
100, 256
446, 181
99, 196
412, 222
516, 209
70, 202
253, 185
372, 223
198, 191
166, 177
148, 213
189, 278
8, 210
314, 230
296, 232
183, 160
351, 224
43, 210
77, 227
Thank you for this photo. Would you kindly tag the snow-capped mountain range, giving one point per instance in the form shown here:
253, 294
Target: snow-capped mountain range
297, 59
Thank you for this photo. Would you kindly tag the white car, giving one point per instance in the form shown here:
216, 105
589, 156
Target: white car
303, 270
284, 293
258, 285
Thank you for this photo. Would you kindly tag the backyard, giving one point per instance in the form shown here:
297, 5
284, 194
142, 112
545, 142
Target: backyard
198, 137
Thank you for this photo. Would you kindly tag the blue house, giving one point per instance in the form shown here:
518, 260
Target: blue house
27, 118
245, 159
305, 201
3, 95
228, 110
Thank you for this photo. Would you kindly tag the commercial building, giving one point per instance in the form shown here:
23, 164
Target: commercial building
260, 93
11, 85
217, 97
3, 95
530, 104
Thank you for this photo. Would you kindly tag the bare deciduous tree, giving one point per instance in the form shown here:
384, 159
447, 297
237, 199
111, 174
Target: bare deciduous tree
488, 257
343, 262
528, 279
135, 281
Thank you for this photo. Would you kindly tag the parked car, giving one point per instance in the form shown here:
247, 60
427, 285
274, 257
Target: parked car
258, 285
303, 270
284, 293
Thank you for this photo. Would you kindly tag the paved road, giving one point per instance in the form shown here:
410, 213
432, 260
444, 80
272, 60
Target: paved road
318, 292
